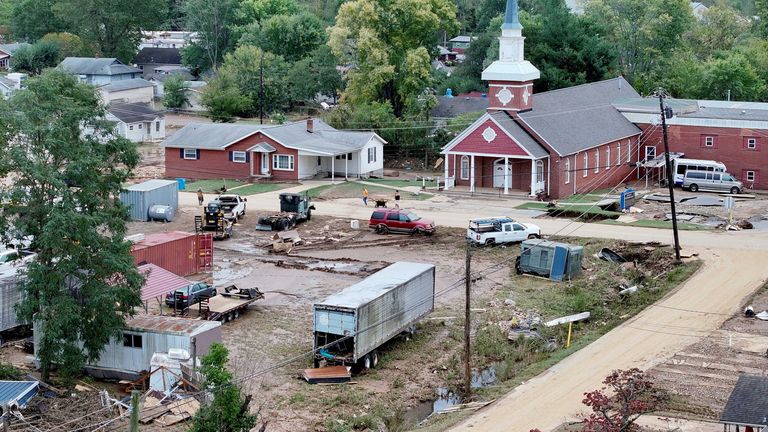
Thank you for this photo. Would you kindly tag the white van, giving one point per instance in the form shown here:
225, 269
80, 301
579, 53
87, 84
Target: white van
711, 181
681, 166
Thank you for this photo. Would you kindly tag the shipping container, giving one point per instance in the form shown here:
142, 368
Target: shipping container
178, 252
10, 295
369, 313
550, 259
140, 197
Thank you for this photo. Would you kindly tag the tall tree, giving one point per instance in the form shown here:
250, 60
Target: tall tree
114, 26
212, 20
389, 43
243, 68
223, 99
175, 92
68, 167
719, 30
31, 19
261, 10
761, 10
228, 411
732, 75
69, 45
32, 59
315, 74
292, 36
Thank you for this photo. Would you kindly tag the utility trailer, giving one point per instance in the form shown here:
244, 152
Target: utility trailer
350, 325
229, 304
294, 208
10, 296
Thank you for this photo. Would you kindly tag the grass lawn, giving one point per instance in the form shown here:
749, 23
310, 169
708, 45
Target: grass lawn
654, 223
401, 183
212, 186
355, 190
257, 188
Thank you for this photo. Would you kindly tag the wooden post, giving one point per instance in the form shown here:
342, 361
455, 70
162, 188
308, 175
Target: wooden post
568, 341
135, 396
467, 323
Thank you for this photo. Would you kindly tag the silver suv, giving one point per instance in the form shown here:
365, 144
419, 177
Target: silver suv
711, 181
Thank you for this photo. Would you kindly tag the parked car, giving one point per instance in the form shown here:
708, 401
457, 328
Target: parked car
696, 180
400, 220
191, 294
498, 230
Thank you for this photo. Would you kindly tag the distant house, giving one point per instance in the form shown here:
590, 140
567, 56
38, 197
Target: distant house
137, 121
148, 59
6, 54
459, 44
747, 407
699, 9
99, 71
194, 95
6, 87
128, 91
289, 152
167, 39
446, 55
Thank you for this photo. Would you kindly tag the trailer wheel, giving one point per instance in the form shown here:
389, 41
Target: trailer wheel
237, 313
2, 341
230, 316
375, 359
367, 362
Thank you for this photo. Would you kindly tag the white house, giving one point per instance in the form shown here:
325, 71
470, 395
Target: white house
99, 71
166, 39
137, 121
135, 90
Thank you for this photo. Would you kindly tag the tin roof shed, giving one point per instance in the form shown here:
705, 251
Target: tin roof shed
18, 392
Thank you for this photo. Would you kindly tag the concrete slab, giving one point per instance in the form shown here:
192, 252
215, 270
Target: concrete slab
703, 200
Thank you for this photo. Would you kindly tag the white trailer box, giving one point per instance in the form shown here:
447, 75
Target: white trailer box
369, 313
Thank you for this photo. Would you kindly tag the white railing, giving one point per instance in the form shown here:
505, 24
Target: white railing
538, 187
450, 182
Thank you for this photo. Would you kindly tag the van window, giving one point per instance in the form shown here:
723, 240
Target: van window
681, 168
377, 215
695, 175
393, 216
716, 177
728, 177
709, 176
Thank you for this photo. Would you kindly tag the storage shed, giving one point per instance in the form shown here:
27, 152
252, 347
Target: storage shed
550, 259
178, 252
130, 354
140, 197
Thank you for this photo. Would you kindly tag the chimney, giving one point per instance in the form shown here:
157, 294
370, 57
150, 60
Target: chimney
310, 125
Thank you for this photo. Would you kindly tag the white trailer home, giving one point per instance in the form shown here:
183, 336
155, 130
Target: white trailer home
126, 357
10, 295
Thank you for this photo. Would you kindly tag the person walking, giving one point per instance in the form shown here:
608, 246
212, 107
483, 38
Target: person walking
365, 196
397, 198
200, 197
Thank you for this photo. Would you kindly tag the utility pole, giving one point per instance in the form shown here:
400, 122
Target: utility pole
467, 351
135, 396
670, 175
261, 89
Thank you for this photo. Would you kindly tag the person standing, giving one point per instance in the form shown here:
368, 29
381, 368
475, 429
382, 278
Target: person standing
365, 196
200, 197
397, 198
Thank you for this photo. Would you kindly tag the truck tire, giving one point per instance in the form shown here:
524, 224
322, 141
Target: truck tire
309, 214
694, 187
490, 242
285, 224
735, 190
382, 229
532, 236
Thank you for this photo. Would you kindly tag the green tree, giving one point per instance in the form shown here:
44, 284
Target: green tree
114, 26
223, 99
719, 30
243, 68
83, 282
315, 74
31, 19
389, 44
70, 45
261, 10
292, 36
761, 10
228, 411
733, 74
175, 92
681, 74
212, 20
32, 59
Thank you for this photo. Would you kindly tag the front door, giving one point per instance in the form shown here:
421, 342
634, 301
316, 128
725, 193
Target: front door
265, 163
498, 174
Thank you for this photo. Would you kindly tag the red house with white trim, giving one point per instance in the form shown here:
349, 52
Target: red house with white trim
556, 143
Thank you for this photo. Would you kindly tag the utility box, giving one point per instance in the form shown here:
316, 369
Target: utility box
140, 197
553, 260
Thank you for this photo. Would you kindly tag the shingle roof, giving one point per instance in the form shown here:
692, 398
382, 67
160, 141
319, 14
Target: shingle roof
578, 118
520, 135
11, 48
450, 107
325, 140
133, 112
96, 66
748, 403
158, 56
7, 82
126, 84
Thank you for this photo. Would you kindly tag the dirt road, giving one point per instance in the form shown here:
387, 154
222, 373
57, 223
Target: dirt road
690, 313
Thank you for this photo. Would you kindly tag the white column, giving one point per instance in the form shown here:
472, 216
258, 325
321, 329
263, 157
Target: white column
506, 176
346, 167
533, 177
446, 171
472, 173
333, 169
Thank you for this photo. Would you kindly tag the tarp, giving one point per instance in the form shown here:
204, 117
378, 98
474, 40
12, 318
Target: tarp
159, 281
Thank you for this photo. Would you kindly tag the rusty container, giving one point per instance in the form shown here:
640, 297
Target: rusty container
176, 251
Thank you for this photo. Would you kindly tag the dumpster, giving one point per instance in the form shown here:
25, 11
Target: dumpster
553, 260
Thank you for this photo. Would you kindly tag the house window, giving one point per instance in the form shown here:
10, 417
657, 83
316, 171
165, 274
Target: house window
750, 176
319, 161
132, 340
190, 154
349, 156
539, 171
709, 141
157, 126
372, 155
239, 157
618, 154
629, 150
597, 160
586, 165
130, 127
139, 125
567, 171
465, 167
752, 143
650, 152
607, 158
282, 162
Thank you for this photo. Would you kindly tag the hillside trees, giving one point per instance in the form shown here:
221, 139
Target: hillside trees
213, 21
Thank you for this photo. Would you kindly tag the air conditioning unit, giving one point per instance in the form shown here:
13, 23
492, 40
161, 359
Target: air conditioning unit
178, 354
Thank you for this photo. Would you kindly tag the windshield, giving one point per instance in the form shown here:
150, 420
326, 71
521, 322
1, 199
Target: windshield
412, 216
727, 177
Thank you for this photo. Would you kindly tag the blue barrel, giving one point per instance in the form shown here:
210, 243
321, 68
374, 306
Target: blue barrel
182, 183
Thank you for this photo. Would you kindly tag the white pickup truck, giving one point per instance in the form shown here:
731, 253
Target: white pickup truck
496, 230
233, 206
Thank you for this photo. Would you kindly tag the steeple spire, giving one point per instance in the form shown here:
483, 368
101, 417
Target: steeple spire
511, 18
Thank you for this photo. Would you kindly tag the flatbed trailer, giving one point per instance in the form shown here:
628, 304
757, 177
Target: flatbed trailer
229, 304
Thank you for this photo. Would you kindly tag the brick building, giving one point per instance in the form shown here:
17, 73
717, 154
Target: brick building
288, 152
557, 143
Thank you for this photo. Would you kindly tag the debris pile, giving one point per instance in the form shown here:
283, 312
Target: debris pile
167, 410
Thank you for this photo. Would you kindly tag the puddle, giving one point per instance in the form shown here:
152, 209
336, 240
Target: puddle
445, 398
759, 223
484, 377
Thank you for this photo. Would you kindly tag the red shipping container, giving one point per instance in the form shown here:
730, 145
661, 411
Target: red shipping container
176, 251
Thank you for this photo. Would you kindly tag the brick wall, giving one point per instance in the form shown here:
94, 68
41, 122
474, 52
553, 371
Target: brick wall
728, 145
501, 143
216, 164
